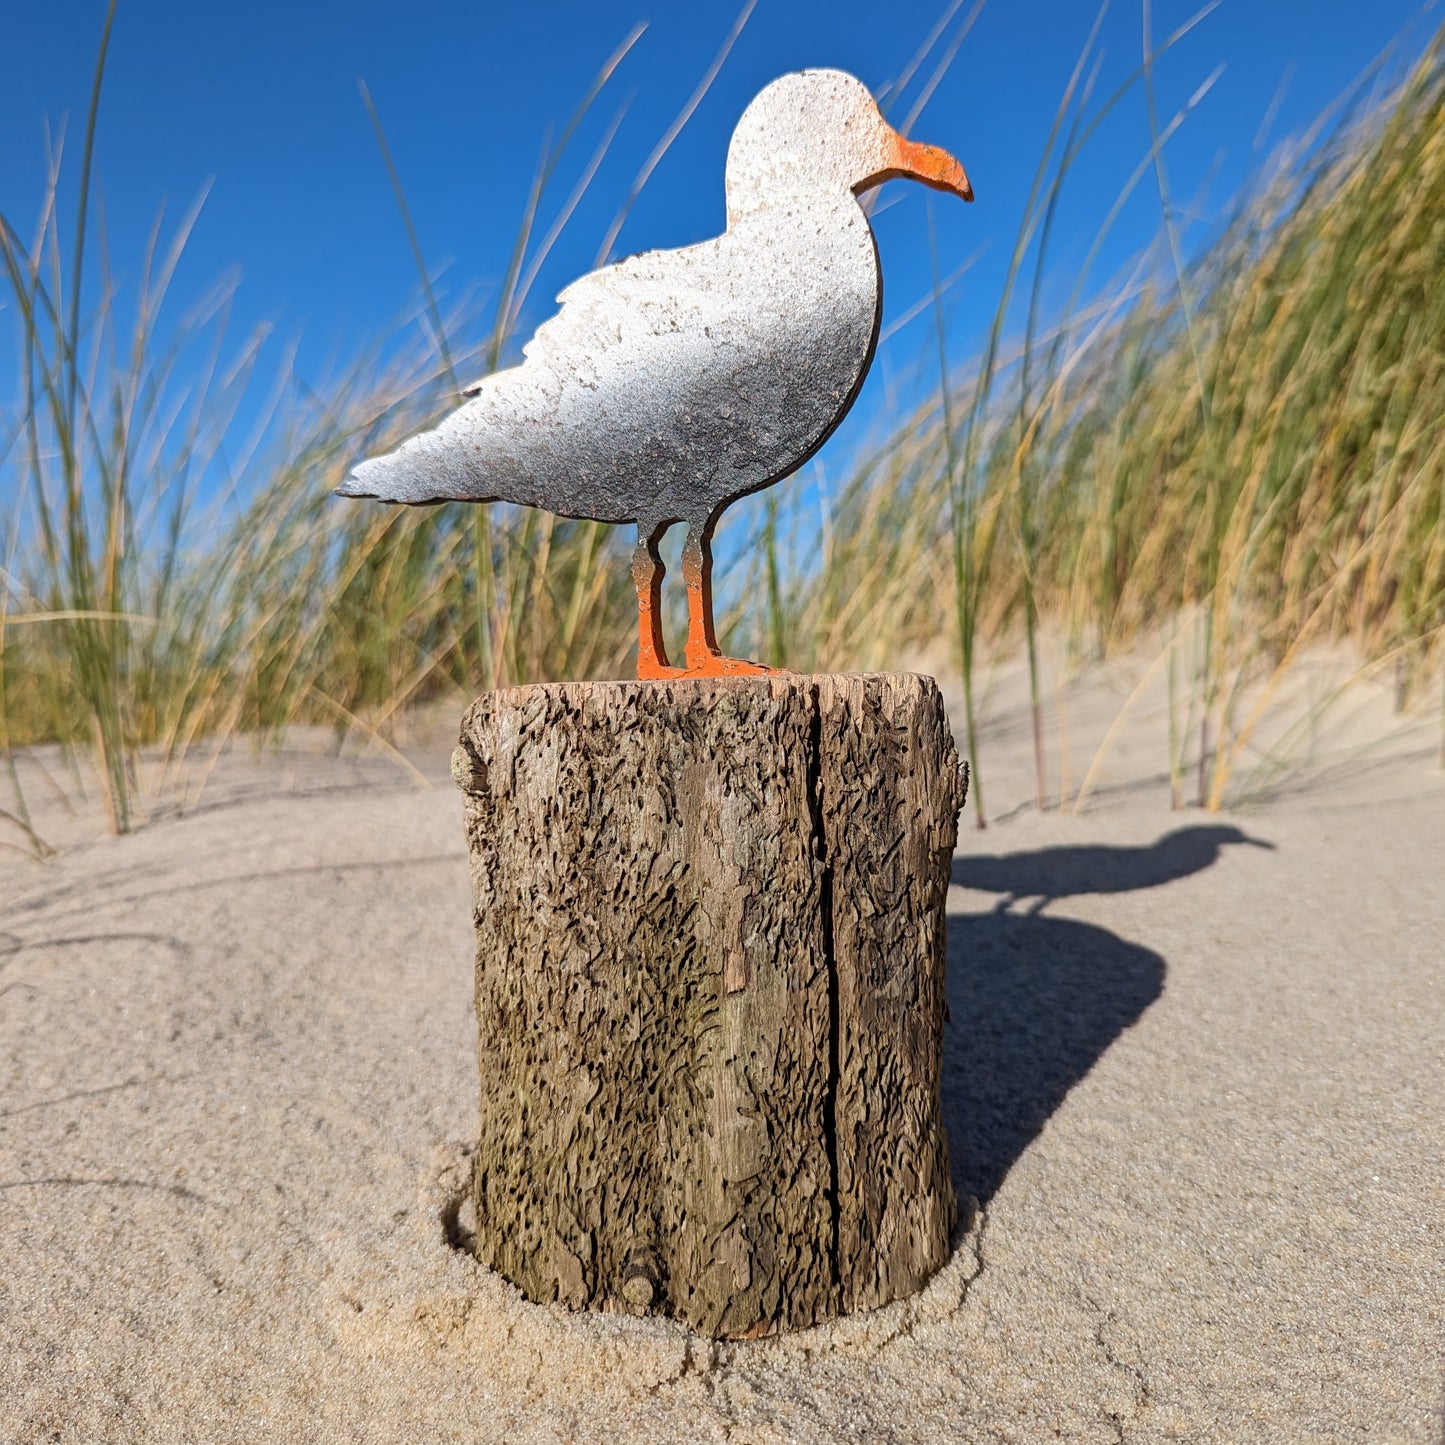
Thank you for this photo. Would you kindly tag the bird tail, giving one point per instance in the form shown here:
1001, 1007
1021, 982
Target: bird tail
370, 479
428, 468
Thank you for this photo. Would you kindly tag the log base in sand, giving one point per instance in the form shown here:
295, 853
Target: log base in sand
709, 986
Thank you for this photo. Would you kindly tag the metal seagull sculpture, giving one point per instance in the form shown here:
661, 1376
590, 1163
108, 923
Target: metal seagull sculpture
674, 382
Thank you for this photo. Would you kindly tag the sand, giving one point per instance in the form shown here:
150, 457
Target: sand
1196, 1086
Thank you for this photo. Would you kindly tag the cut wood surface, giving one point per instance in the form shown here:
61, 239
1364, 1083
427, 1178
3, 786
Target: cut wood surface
709, 989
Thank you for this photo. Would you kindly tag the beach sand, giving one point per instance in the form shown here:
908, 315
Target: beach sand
1195, 1085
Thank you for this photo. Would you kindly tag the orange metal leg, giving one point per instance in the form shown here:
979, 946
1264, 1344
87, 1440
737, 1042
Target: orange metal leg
703, 657
647, 571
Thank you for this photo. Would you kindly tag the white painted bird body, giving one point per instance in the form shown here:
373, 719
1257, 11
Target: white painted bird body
673, 382
668, 384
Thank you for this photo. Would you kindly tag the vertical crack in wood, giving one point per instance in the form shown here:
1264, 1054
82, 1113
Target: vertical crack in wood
830, 965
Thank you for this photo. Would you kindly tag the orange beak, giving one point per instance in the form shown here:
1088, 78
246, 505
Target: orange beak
930, 165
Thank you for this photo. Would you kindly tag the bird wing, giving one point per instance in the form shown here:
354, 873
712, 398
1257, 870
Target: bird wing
560, 429
653, 295
637, 295
665, 384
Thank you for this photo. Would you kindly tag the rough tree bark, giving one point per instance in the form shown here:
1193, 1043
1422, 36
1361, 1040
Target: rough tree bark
709, 987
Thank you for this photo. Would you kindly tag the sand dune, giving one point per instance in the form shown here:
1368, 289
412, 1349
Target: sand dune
1195, 1086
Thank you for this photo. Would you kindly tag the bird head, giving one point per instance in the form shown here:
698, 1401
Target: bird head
821, 130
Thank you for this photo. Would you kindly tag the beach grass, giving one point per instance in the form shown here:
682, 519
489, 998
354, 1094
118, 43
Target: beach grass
1240, 459
1235, 459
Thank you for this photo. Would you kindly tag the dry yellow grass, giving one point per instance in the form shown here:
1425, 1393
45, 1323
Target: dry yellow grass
1255, 472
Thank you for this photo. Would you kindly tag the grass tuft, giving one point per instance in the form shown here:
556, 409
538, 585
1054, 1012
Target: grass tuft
1241, 478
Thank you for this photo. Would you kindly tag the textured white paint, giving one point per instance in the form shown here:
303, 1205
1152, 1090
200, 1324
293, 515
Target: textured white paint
675, 381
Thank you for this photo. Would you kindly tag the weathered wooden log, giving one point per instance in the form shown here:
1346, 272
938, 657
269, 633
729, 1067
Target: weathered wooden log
709, 988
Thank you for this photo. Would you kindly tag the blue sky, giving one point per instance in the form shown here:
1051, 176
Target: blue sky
260, 103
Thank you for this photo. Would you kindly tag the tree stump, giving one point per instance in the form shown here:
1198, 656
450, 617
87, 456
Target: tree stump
710, 992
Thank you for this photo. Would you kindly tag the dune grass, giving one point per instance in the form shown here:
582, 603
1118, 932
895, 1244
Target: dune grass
1267, 465
1245, 457
1257, 471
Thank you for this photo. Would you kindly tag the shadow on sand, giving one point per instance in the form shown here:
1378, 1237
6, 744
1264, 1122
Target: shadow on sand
1050, 873
1033, 1003
1035, 1000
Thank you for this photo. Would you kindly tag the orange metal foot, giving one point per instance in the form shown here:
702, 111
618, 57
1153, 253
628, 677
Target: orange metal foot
712, 665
